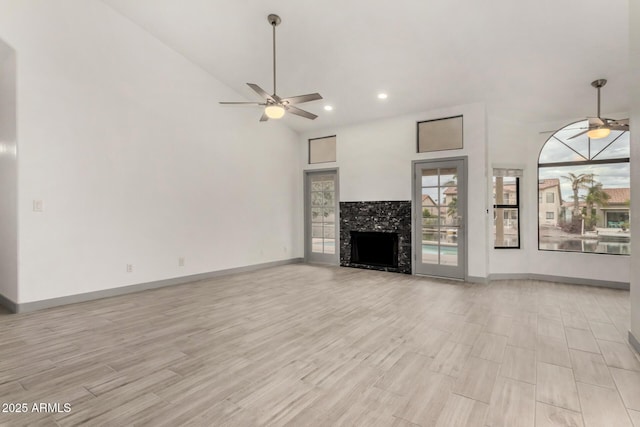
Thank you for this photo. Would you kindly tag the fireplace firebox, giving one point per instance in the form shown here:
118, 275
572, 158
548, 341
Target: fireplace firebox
374, 248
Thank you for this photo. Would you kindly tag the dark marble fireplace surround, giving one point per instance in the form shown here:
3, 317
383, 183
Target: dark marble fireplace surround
378, 216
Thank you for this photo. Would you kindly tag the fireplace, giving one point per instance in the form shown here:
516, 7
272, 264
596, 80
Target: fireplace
374, 248
376, 235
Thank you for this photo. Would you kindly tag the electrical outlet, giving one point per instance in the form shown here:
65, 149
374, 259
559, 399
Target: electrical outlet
129, 268
181, 262
37, 205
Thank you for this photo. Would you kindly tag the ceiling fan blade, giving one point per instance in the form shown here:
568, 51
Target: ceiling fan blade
299, 112
595, 121
619, 127
242, 103
554, 131
623, 122
264, 117
302, 98
578, 134
260, 91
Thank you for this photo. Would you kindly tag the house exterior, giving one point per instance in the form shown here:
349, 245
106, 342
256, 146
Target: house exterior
549, 202
435, 211
509, 216
429, 208
509, 194
616, 213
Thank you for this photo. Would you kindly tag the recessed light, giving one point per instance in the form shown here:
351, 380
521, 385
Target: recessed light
328, 108
382, 96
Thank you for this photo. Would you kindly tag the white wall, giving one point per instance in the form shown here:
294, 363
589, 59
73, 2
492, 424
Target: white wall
375, 164
8, 175
518, 145
634, 58
507, 143
135, 162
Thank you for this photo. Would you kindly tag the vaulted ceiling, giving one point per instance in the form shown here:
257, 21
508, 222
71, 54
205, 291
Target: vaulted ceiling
528, 61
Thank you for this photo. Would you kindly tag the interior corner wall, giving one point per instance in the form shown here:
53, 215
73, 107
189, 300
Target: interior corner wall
374, 159
124, 143
634, 58
508, 143
515, 144
8, 175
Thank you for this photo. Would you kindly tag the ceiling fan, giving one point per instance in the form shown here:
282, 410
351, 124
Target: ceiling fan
600, 127
275, 106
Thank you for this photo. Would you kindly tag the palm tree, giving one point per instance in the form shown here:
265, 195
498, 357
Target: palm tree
595, 196
578, 182
452, 207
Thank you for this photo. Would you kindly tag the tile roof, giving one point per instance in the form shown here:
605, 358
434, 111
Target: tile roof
429, 201
618, 195
548, 183
451, 190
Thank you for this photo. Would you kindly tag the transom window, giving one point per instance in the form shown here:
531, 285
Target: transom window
586, 187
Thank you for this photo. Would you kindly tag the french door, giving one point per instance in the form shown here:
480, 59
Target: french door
440, 206
322, 243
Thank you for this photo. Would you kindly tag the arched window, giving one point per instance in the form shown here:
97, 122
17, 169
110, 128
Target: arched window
584, 192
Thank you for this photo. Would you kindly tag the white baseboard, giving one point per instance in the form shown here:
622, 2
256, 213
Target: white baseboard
634, 342
106, 293
8, 304
560, 279
477, 279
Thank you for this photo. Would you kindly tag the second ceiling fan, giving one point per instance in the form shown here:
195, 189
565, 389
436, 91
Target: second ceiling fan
275, 106
601, 127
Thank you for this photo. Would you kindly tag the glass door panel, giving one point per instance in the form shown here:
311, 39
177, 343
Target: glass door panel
440, 218
321, 215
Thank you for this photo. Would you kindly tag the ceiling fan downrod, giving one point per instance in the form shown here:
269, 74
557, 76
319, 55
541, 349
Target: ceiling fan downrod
598, 84
274, 20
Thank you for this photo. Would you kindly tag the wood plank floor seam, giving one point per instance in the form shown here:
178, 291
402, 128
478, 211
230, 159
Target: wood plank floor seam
316, 346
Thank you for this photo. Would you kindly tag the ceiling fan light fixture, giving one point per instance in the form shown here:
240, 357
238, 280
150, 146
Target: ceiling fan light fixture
599, 133
275, 105
274, 111
600, 127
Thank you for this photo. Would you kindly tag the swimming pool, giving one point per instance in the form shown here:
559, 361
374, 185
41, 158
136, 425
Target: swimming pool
431, 249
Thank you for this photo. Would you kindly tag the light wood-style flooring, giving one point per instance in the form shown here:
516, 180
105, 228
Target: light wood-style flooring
303, 345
